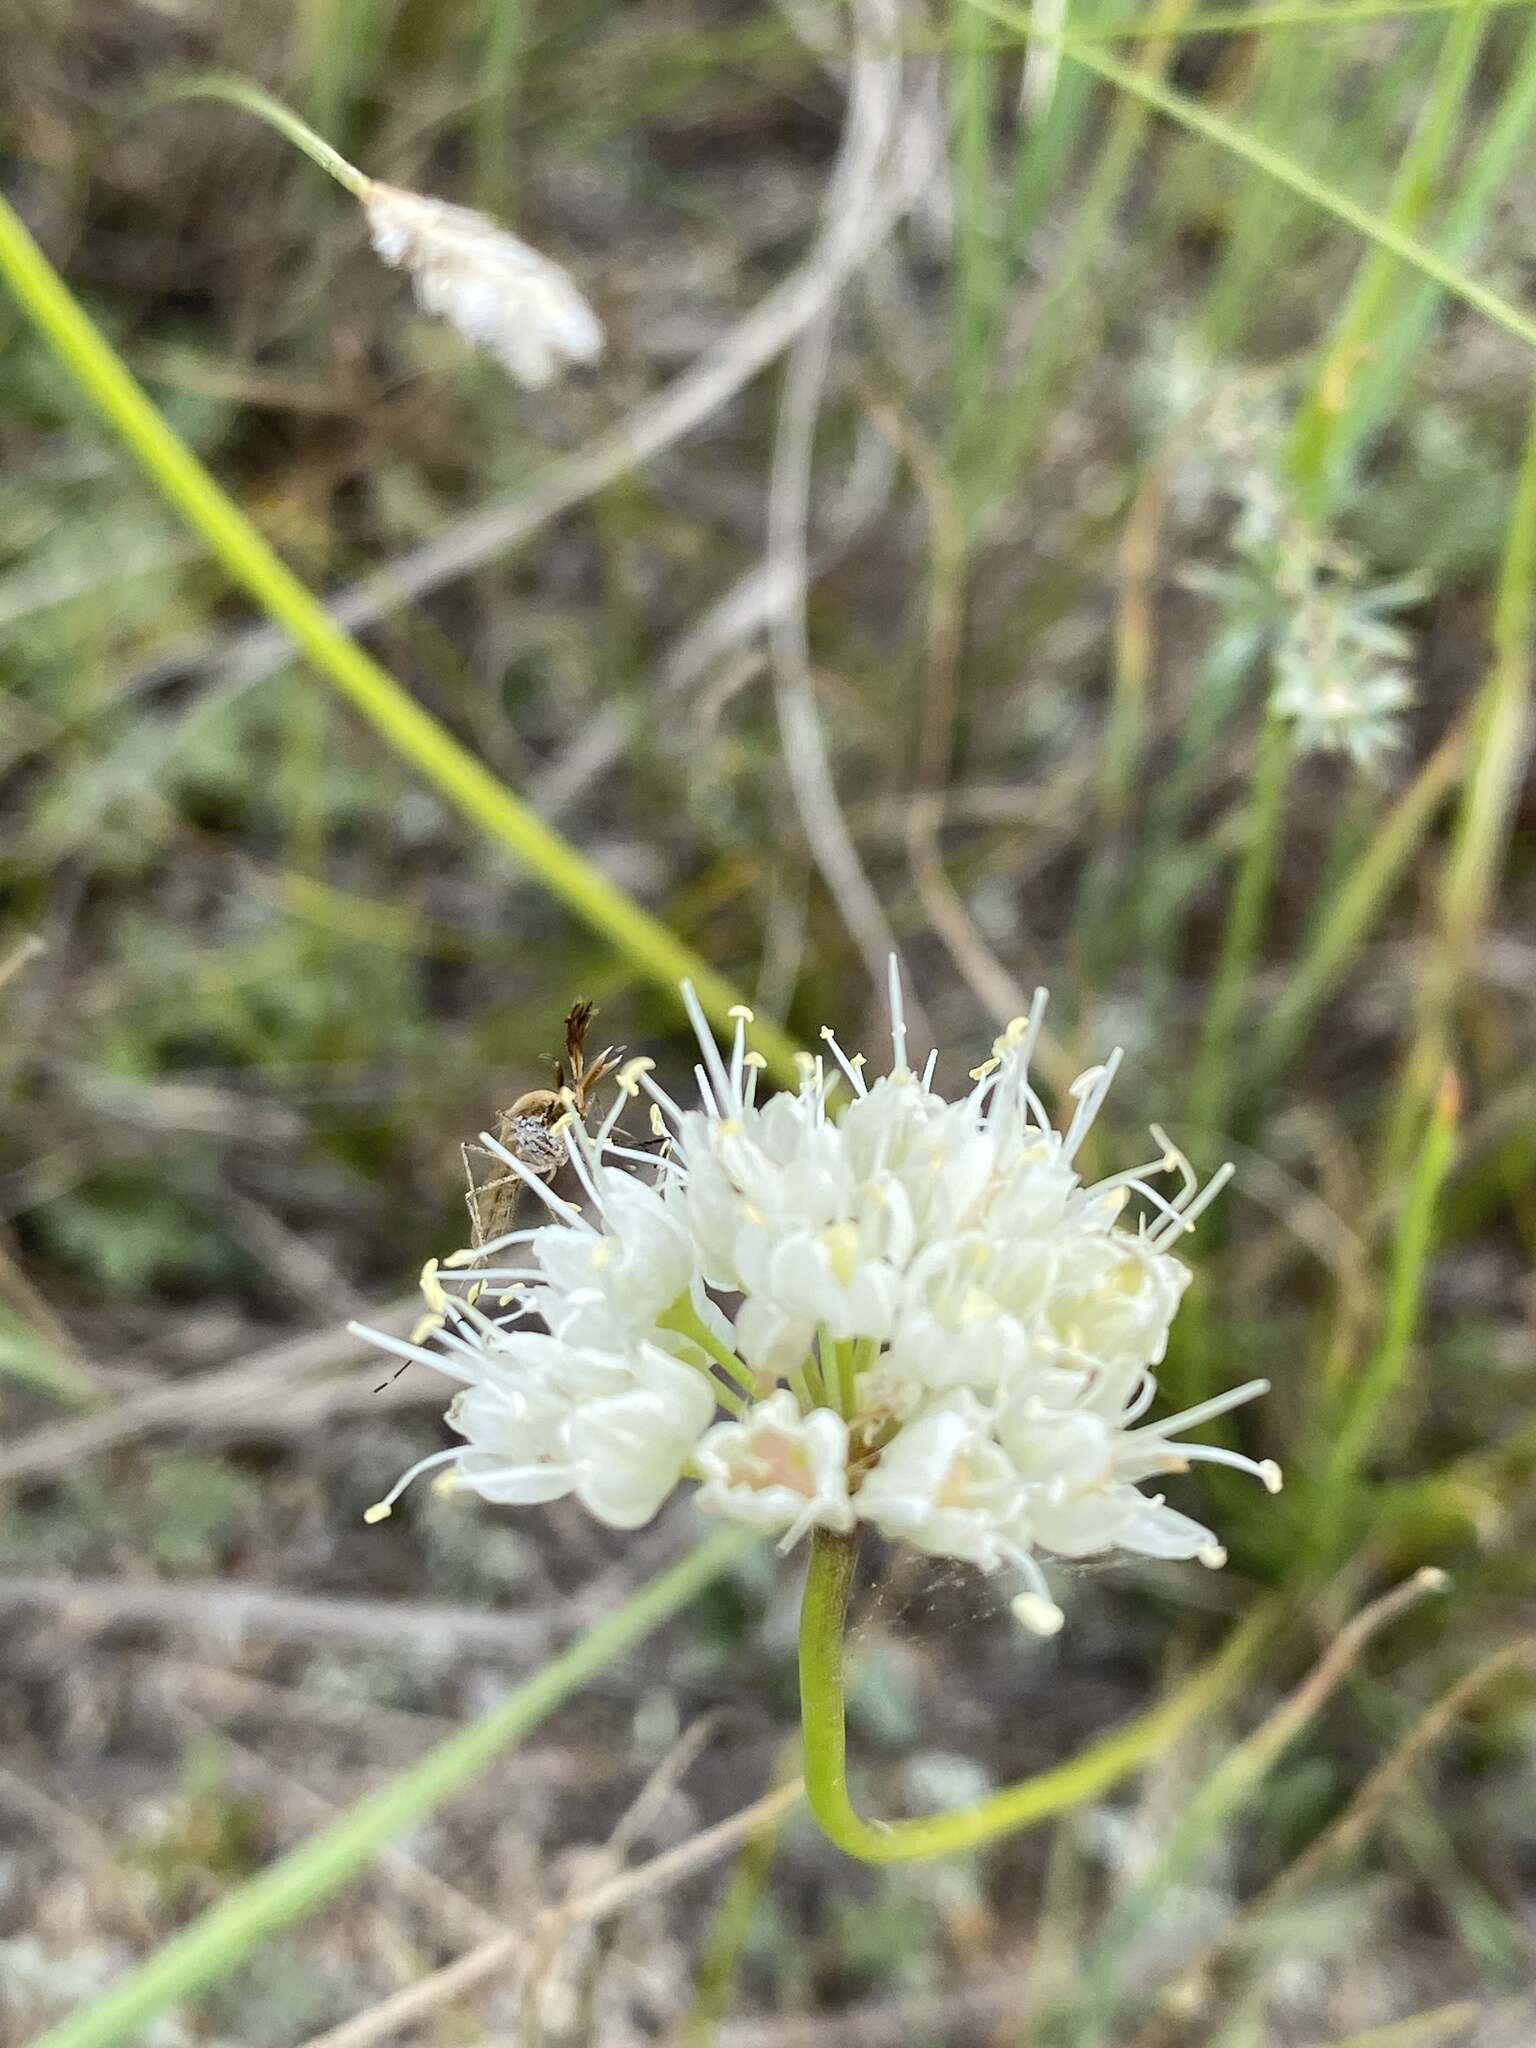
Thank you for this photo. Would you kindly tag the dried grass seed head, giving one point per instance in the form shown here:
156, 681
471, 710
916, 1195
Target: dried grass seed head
486, 282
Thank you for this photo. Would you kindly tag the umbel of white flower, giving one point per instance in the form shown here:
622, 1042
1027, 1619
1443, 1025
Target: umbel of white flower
493, 288
858, 1303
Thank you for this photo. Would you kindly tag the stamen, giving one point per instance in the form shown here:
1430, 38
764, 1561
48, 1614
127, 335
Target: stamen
660, 1097
1174, 1161
1265, 1470
1140, 1401
417, 1354
474, 1252
1089, 1091
855, 1077
1205, 1411
706, 1038
1034, 1608
581, 1166
1196, 1208
382, 1509
898, 1017
566, 1211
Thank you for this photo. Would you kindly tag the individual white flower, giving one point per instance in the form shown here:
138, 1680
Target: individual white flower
542, 1418
912, 1311
944, 1485
778, 1469
484, 281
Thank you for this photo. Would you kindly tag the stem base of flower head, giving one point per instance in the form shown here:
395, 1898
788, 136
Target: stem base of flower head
823, 1618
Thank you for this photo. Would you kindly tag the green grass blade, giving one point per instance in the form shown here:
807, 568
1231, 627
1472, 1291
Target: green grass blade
1211, 1093
1368, 1394
310, 1874
1276, 164
1362, 895
412, 732
1312, 454
1221, 21
1379, 382
1057, 334
1498, 758
976, 272
503, 45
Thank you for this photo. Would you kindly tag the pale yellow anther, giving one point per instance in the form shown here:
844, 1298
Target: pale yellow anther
1040, 1616
840, 1242
627, 1080
658, 1121
432, 1288
379, 1512
754, 1059
426, 1326
446, 1482
740, 1010
466, 1257
858, 1059
987, 1067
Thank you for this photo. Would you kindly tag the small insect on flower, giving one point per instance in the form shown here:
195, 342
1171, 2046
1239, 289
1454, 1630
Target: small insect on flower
533, 1129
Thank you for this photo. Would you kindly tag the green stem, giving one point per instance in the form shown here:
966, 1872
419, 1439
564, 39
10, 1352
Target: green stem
1362, 895
401, 722
824, 1732
1369, 1393
308, 1875
685, 1319
1212, 1092
1274, 163
1312, 453
1497, 759
238, 93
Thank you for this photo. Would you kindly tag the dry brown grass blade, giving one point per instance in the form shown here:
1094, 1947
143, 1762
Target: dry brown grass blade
870, 133
230, 1611
1350, 1828
382, 2021
174, 1403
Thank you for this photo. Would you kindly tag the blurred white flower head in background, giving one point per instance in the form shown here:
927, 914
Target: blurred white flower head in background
499, 293
912, 1312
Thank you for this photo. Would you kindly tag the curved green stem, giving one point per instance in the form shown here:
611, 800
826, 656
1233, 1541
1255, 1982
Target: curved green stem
238, 93
824, 1732
685, 1319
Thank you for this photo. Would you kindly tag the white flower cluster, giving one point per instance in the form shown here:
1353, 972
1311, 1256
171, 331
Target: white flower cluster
1341, 668
911, 1311
493, 288
1339, 675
